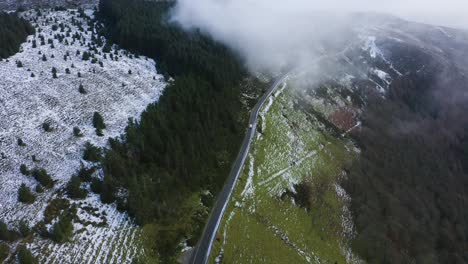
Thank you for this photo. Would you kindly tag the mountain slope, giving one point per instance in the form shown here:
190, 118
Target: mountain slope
31, 96
406, 83
409, 187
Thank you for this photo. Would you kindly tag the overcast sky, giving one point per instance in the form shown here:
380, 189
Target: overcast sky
446, 12
274, 32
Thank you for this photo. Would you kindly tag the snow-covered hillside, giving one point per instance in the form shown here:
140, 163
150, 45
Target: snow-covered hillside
30, 4
117, 86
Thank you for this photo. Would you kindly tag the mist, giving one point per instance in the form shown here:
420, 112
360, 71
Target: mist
271, 35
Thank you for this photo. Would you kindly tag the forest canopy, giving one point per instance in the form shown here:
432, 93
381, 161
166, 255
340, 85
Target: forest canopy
13, 32
409, 186
184, 144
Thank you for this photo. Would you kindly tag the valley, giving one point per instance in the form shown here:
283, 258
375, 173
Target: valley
121, 121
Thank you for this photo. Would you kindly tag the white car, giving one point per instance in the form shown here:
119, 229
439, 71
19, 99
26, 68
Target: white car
250, 126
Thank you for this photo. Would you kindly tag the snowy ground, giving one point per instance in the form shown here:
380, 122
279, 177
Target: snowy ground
30, 96
30, 4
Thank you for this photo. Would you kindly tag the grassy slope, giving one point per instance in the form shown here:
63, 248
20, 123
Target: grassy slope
260, 227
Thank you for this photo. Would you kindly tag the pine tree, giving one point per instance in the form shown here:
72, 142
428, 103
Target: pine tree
39, 189
54, 72
77, 132
85, 174
25, 256
74, 189
24, 228
4, 251
42, 177
21, 143
91, 153
25, 195
86, 56
24, 170
98, 123
7, 234
47, 127
62, 230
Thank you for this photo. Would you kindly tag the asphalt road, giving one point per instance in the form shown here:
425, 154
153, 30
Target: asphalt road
202, 251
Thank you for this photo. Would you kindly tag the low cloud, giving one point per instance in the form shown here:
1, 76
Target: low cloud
272, 34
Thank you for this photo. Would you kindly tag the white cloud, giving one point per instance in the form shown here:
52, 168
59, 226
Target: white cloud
272, 32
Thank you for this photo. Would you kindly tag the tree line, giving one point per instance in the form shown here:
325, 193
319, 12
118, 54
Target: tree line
13, 32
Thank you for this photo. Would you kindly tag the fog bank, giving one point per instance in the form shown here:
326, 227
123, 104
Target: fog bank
272, 34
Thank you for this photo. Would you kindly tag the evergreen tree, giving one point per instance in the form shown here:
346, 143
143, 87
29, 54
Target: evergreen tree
24, 170
4, 251
42, 177
21, 143
86, 56
77, 132
25, 195
39, 189
63, 229
81, 89
85, 173
25, 256
91, 153
98, 123
74, 189
24, 228
54, 72
47, 127
7, 234
96, 185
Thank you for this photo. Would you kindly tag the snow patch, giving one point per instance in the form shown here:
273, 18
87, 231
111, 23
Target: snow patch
371, 47
382, 75
249, 188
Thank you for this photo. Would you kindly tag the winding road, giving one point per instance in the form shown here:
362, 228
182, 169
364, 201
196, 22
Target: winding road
202, 251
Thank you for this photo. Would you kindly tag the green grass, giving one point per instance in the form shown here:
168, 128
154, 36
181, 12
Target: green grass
259, 226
